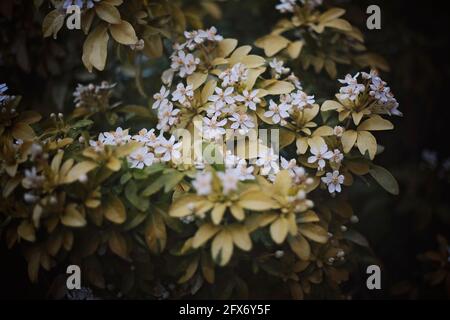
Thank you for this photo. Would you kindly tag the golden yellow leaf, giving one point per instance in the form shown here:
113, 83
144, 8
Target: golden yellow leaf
155, 233
95, 48
323, 131
108, 13
222, 247
348, 140
256, 201
196, 79
253, 61
279, 87
208, 90
375, 123
207, 266
237, 212
331, 14
300, 246
307, 216
314, 232
272, 44
331, 105
240, 53
367, 142
79, 170
241, 237
279, 230
302, 145
22, 131
218, 212
190, 271
26, 231
283, 183
118, 244
113, 164
294, 49
114, 210
203, 234
72, 217
123, 33
225, 47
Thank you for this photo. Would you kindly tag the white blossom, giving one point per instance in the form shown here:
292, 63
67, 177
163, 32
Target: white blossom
241, 122
203, 183
141, 158
229, 179
333, 181
278, 67
249, 99
338, 131
115, 138
320, 155
268, 161
183, 94
213, 128
169, 149
337, 156
286, 6
222, 97
277, 112
300, 100
167, 116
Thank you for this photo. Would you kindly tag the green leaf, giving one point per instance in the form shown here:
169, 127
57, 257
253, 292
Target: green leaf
384, 179
154, 187
131, 195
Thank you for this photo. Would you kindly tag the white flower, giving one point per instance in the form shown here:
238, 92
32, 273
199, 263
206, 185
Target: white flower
32, 180
211, 34
338, 131
96, 145
268, 161
320, 155
185, 63
373, 73
167, 117
222, 97
231, 160
212, 128
116, 138
277, 112
229, 179
147, 137
203, 183
333, 181
244, 172
301, 100
278, 67
295, 81
286, 6
249, 99
241, 122
353, 88
337, 156
169, 149
379, 91
141, 158
183, 94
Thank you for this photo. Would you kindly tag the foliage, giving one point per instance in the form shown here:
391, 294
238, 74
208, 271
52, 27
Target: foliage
140, 220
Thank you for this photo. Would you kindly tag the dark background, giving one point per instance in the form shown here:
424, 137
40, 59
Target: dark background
414, 40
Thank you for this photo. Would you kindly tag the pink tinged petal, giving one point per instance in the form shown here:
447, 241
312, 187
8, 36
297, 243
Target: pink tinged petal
321, 163
331, 188
312, 159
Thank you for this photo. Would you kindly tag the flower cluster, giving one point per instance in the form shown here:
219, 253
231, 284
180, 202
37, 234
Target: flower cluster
317, 38
93, 97
129, 194
289, 5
